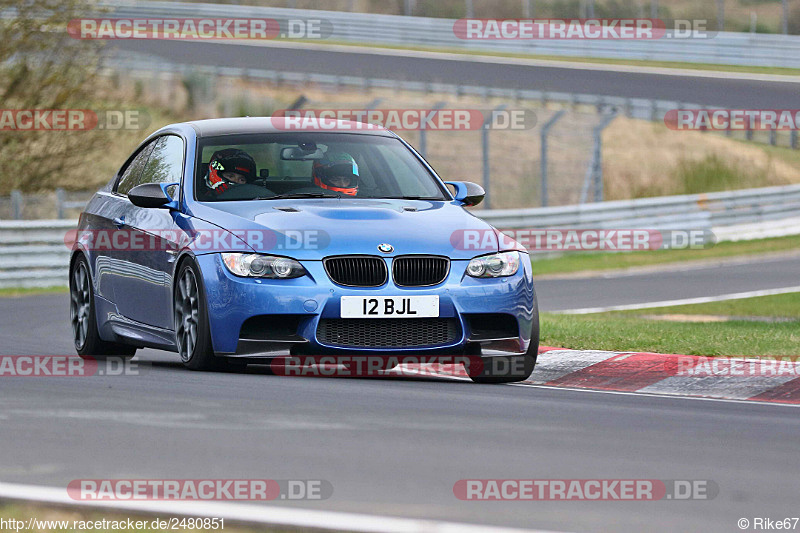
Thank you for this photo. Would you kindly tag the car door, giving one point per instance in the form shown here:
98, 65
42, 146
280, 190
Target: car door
109, 220
144, 294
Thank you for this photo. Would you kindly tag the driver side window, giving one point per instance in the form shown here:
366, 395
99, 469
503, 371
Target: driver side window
161, 161
132, 173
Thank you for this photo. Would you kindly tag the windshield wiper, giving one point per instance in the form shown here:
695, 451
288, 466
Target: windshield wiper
298, 195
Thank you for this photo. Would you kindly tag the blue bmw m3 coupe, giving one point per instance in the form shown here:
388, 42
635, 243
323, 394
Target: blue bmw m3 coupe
233, 241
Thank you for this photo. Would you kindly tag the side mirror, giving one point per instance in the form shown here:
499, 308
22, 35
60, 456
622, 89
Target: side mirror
152, 195
467, 192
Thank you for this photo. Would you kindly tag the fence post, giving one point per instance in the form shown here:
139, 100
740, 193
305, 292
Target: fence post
485, 141
423, 139
785, 13
543, 151
773, 137
793, 136
60, 202
595, 170
16, 204
527, 9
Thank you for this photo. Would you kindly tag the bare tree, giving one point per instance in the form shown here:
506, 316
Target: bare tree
42, 67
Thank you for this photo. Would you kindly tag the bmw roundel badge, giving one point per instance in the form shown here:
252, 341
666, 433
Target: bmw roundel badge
386, 248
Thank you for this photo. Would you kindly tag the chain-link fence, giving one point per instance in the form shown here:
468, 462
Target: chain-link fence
556, 158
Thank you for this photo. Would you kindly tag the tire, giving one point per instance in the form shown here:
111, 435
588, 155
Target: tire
512, 368
190, 315
83, 317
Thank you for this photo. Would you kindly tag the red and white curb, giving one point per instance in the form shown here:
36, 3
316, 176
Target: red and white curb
758, 379
740, 378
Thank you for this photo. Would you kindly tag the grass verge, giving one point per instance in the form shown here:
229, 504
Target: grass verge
776, 306
589, 261
19, 292
625, 331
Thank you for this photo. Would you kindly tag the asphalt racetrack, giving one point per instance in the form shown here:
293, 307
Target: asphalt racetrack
720, 90
396, 446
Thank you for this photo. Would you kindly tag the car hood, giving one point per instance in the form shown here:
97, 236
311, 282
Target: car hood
312, 229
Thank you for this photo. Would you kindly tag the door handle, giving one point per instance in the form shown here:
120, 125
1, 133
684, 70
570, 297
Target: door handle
119, 222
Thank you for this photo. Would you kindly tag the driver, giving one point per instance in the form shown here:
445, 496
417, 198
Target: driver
228, 169
337, 172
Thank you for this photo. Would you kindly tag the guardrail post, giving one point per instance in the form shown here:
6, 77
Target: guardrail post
543, 151
793, 136
485, 141
16, 204
60, 202
653, 109
749, 134
423, 139
773, 137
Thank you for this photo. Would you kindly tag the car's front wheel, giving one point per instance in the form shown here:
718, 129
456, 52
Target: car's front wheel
83, 317
192, 330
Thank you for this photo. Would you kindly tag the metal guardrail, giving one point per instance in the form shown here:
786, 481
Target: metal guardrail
694, 211
728, 48
33, 253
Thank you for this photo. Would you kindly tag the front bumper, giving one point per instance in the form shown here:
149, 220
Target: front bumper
304, 301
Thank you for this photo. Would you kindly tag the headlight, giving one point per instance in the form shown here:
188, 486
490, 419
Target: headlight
262, 266
494, 266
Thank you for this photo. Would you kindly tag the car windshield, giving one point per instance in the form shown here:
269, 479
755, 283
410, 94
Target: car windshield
310, 165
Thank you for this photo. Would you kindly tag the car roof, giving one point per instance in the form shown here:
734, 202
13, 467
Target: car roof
232, 126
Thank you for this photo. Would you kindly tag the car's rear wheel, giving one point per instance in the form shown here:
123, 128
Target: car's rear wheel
511, 368
192, 330
83, 319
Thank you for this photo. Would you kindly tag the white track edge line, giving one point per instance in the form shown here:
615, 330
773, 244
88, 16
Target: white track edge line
655, 395
261, 514
684, 301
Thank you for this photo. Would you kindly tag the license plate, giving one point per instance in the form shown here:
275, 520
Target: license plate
390, 306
